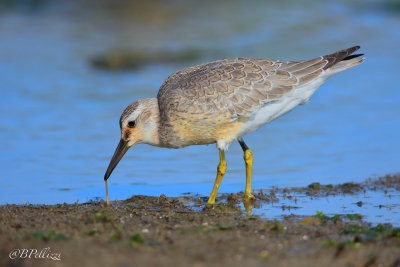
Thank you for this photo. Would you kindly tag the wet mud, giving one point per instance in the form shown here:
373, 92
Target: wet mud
163, 231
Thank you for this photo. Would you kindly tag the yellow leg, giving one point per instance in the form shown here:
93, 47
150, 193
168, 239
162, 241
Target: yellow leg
220, 173
248, 159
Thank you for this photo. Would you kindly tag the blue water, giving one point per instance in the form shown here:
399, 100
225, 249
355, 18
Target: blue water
59, 115
377, 206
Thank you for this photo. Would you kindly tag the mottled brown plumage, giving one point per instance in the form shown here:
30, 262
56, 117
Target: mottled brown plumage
230, 91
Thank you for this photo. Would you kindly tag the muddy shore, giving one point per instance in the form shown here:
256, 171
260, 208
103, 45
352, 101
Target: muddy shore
162, 231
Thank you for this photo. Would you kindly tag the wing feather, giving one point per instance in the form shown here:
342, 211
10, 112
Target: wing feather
236, 88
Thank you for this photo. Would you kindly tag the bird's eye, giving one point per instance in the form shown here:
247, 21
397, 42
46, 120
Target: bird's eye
131, 124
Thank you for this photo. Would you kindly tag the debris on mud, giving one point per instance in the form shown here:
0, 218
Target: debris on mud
183, 232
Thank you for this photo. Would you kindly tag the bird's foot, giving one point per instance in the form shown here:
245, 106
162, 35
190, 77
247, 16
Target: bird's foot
248, 202
210, 205
211, 202
249, 197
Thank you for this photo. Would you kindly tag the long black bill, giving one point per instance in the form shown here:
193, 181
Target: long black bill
118, 154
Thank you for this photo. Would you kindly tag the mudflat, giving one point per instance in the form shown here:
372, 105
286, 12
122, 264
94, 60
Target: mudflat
163, 231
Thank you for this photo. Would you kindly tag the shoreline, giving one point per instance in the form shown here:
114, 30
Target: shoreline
181, 232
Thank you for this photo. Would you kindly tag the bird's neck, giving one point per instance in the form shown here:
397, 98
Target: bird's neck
152, 136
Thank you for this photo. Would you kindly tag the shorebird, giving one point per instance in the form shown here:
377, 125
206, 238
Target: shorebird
221, 101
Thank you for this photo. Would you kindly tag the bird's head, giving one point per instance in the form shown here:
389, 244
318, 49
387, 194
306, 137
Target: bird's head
139, 124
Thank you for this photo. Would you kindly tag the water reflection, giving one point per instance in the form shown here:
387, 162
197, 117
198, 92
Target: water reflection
372, 206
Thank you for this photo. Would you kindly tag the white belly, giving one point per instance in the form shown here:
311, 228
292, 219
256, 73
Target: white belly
276, 109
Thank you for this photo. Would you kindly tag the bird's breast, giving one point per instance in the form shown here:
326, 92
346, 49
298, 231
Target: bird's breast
184, 129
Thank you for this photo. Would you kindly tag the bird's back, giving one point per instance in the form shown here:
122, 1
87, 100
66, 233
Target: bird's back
220, 99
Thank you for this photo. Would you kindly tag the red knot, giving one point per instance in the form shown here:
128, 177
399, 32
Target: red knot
221, 101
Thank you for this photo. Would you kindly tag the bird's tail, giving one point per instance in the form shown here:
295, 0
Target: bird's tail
343, 60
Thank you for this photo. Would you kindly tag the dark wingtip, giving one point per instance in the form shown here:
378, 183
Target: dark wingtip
340, 55
350, 50
353, 56
353, 49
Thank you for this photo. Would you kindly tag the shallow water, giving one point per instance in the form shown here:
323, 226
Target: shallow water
59, 115
373, 206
